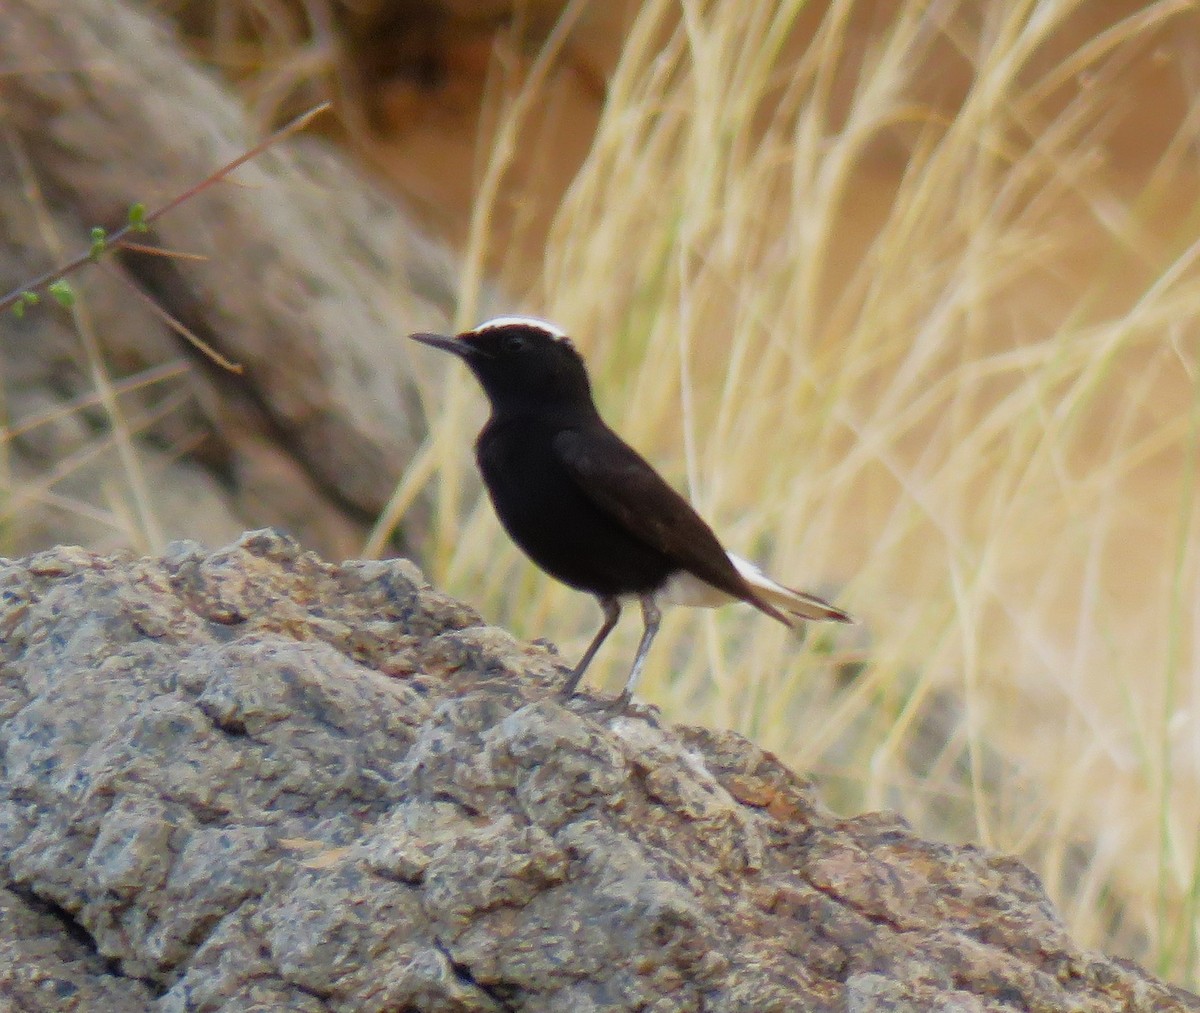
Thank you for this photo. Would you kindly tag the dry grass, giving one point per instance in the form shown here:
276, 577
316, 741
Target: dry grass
926, 345
94, 476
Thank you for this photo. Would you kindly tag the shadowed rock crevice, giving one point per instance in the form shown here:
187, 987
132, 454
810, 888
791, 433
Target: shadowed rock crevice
252, 777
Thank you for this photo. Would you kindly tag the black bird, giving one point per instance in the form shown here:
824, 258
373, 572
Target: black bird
584, 505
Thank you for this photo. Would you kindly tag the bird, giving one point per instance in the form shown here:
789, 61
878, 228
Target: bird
585, 506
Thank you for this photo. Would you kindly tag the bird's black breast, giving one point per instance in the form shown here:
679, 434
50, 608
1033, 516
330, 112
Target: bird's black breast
554, 523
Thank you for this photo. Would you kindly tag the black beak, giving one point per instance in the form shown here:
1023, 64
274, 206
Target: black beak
446, 344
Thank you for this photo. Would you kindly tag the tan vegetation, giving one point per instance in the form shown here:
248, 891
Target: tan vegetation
908, 304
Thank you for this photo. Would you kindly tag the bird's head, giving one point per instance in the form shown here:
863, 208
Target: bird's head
521, 362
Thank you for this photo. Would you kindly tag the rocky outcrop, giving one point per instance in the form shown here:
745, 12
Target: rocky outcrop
249, 779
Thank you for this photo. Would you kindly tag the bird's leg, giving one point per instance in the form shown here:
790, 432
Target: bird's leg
651, 617
612, 612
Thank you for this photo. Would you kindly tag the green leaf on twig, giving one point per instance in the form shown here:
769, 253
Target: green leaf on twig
26, 298
99, 243
63, 294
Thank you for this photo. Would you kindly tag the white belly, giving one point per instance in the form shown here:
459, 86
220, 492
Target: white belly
687, 589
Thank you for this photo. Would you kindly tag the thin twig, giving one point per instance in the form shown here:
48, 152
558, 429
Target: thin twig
44, 281
177, 326
158, 251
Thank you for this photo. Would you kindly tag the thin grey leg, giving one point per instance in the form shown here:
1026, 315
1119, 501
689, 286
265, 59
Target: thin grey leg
612, 612
651, 616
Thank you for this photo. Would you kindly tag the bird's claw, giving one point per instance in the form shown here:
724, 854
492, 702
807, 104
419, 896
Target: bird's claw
588, 704
619, 706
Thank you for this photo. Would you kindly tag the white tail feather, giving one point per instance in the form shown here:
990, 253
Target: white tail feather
687, 589
797, 603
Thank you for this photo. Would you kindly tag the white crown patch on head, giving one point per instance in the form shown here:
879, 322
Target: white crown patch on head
540, 325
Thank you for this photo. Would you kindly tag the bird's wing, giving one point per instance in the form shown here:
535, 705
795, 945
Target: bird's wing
618, 480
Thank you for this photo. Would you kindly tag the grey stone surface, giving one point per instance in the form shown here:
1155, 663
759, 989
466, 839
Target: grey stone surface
252, 780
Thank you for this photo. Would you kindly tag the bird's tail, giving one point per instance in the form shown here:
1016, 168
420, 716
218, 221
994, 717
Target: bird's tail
795, 603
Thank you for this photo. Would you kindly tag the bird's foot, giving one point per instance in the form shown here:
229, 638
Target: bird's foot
568, 689
622, 701
565, 694
586, 704
618, 706
582, 702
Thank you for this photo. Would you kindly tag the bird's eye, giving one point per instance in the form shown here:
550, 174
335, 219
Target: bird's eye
512, 342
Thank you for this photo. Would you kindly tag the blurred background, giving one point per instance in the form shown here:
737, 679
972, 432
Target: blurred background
904, 295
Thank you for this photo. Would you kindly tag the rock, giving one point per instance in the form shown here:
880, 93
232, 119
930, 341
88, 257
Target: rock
298, 268
250, 779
